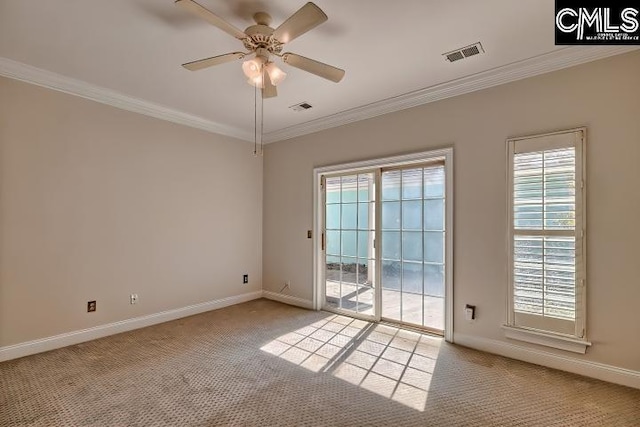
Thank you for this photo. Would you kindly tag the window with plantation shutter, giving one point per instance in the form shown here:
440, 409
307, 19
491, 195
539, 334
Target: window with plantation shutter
546, 237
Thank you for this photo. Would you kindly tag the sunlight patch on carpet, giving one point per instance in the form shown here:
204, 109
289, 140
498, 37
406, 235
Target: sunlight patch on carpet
390, 362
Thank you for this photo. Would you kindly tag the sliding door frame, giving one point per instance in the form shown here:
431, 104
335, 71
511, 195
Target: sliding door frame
445, 155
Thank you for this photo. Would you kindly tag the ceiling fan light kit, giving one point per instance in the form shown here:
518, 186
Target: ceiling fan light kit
255, 69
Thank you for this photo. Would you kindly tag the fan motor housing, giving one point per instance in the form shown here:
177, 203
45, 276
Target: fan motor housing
261, 36
259, 29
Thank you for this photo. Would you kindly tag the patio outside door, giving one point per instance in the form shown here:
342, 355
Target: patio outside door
403, 280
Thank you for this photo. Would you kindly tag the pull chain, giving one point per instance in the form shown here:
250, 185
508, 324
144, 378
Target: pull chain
262, 116
255, 121
255, 117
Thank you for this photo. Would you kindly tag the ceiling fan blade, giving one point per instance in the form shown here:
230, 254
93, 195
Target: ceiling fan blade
269, 90
314, 67
307, 17
215, 60
211, 17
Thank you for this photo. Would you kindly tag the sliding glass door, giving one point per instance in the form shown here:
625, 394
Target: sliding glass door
384, 243
413, 239
350, 261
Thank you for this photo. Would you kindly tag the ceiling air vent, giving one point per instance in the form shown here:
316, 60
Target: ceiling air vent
301, 107
464, 52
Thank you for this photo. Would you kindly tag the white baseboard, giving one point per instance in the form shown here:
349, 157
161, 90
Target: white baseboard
601, 371
288, 299
75, 337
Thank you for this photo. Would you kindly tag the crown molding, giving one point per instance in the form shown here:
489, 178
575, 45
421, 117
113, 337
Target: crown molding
553, 61
27, 73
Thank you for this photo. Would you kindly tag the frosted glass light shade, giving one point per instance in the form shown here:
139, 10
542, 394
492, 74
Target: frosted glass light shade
276, 75
252, 68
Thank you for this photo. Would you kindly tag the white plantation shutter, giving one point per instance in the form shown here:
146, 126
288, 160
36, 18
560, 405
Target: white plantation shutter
546, 233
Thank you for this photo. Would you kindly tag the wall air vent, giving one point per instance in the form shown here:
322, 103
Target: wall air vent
464, 52
303, 106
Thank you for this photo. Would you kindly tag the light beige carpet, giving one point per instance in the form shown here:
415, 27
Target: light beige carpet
267, 364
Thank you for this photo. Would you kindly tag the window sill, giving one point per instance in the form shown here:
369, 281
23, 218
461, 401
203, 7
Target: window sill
575, 345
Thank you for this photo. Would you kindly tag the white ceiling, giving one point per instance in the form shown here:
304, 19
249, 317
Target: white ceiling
388, 48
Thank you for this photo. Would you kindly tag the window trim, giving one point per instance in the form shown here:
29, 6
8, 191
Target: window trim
576, 342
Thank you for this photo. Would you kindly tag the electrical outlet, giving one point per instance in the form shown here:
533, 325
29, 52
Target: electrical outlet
470, 312
134, 298
91, 306
245, 279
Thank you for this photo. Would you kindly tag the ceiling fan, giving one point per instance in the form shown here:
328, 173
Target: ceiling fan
264, 42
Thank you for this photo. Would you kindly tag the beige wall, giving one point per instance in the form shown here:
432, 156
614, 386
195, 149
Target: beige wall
604, 96
97, 203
